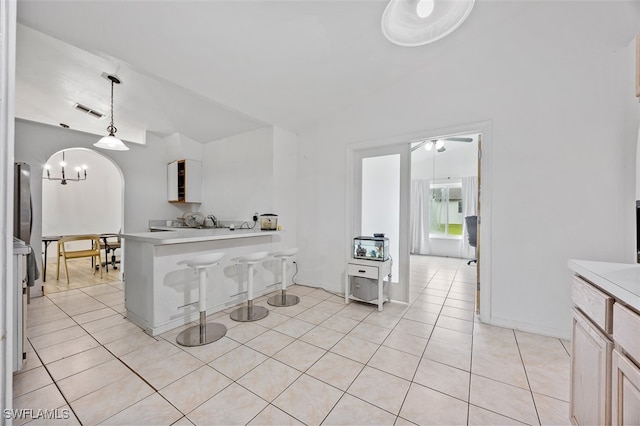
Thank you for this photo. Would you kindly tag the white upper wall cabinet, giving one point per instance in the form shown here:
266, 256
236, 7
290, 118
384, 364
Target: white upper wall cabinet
184, 181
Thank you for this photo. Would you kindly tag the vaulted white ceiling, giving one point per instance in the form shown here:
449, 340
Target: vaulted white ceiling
209, 69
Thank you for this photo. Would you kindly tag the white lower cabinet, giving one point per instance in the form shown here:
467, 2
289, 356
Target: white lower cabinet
590, 373
626, 391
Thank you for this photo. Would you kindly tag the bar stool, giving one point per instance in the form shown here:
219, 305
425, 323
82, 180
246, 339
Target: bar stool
250, 312
203, 333
284, 299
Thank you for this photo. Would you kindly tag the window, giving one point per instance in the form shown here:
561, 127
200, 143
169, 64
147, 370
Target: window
446, 210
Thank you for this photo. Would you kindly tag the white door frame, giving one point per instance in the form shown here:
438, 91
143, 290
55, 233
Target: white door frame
352, 214
7, 109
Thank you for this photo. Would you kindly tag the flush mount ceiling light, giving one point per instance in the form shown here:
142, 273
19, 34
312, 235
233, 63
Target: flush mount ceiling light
110, 141
413, 23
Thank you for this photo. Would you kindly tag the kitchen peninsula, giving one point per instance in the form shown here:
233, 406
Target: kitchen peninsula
160, 295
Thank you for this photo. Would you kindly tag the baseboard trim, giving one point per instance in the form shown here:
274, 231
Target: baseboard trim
530, 328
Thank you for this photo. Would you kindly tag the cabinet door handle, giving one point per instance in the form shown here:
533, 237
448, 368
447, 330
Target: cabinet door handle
362, 271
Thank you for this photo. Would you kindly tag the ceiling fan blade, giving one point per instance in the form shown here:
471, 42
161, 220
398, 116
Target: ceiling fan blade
459, 139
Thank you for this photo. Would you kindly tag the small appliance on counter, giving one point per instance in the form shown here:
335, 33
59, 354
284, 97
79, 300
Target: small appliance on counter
268, 222
371, 248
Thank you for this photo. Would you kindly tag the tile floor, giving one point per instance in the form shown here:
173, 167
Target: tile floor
319, 362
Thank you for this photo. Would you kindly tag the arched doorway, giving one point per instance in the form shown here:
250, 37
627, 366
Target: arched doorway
91, 205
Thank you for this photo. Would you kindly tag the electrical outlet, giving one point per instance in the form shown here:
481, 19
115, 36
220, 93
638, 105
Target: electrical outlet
255, 217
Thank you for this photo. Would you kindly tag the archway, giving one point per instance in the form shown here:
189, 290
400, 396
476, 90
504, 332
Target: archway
80, 206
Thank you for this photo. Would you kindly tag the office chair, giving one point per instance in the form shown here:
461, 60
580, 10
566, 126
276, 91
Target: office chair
472, 233
110, 243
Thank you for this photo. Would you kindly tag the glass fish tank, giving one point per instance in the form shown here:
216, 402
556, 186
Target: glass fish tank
371, 248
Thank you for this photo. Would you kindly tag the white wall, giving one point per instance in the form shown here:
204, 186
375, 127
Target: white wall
558, 103
92, 206
459, 160
285, 171
238, 175
253, 172
381, 202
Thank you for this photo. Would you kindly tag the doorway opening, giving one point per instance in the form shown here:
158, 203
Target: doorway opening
81, 207
473, 276
445, 207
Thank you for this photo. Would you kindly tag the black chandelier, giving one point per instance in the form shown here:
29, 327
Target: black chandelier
64, 179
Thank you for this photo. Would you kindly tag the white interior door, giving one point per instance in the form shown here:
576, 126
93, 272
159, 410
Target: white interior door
381, 205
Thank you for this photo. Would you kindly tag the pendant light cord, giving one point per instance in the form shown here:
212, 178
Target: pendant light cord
112, 129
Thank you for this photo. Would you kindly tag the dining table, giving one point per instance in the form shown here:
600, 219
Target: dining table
46, 240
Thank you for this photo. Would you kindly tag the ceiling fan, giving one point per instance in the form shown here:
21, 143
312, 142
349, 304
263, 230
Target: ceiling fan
438, 144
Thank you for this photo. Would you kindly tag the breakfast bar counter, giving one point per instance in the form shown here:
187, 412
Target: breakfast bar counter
161, 295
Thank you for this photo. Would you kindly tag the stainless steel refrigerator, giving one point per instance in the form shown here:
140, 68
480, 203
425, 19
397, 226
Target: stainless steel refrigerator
22, 219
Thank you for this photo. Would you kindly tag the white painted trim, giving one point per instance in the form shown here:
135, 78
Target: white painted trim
531, 328
7, 113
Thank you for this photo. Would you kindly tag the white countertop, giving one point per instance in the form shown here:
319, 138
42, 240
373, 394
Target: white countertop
190, 235
20, 247
621, 280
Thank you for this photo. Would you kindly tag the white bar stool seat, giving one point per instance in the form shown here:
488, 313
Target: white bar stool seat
250, 312
203, 333
284, 299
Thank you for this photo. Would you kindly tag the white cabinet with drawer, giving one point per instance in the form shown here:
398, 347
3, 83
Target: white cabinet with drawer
364, 275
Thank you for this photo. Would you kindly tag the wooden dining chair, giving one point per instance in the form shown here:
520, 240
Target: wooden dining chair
67, 252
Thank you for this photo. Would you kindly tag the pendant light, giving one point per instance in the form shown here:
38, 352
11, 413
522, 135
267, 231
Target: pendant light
111, 141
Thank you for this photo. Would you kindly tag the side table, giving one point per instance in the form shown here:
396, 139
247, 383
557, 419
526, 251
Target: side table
373, 270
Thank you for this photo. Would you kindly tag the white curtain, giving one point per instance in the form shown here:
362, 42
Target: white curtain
469, 208
419, 225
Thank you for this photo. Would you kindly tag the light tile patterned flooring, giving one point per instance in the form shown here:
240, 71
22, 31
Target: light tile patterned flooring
319, 362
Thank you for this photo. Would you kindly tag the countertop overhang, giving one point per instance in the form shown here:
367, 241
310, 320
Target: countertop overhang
195, 235
621, 280
20, 247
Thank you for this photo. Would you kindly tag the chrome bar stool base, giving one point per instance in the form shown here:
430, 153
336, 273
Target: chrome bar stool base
283, 299
202, 334
249, 313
